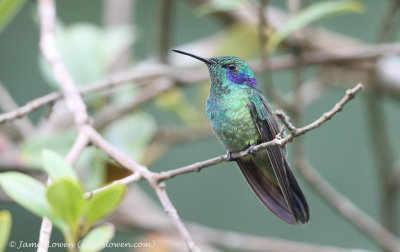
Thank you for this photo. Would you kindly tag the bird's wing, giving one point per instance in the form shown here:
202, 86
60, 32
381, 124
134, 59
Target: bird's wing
268, 128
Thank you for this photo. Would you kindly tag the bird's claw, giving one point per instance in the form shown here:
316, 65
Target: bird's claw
229, 156
251, 150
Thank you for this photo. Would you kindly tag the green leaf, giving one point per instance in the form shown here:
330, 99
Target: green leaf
97, 238
309, 15
8, 10
104, 202
5, 228
56, 167
31, 148
88, 50
66, 200
28, 193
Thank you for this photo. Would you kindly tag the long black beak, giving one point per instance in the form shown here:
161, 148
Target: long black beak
205, 60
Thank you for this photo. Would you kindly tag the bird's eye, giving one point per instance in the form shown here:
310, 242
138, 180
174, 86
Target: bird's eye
231, 67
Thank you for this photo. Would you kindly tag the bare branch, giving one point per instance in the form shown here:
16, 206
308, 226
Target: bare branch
124, 181
149, 92
127, 162
29, 107
80, 144
285, 120
173, 214
350, 94
7, 103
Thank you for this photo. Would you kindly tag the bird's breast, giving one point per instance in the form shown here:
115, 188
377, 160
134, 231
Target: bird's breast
231, 121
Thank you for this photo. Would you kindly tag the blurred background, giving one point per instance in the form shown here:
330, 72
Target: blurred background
159, 117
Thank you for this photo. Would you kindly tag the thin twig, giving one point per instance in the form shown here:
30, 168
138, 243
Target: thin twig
124, 181
173, 214
111, 113
29, 107
7, 103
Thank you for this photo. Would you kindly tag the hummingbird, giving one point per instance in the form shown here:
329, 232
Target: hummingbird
241, 118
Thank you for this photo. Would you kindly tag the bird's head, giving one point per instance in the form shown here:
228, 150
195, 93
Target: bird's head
231, 68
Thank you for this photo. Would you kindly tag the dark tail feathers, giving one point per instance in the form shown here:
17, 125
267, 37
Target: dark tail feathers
291, 210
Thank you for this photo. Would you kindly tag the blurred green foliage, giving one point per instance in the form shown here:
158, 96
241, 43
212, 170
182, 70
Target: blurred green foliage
88, 50
311, 14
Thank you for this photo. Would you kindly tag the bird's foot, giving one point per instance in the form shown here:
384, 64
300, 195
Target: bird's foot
251, 150
229, 156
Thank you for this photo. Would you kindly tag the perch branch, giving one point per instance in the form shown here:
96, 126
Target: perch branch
294, 132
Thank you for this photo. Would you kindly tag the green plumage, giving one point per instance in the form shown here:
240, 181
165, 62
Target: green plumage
231, 119
241, 117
